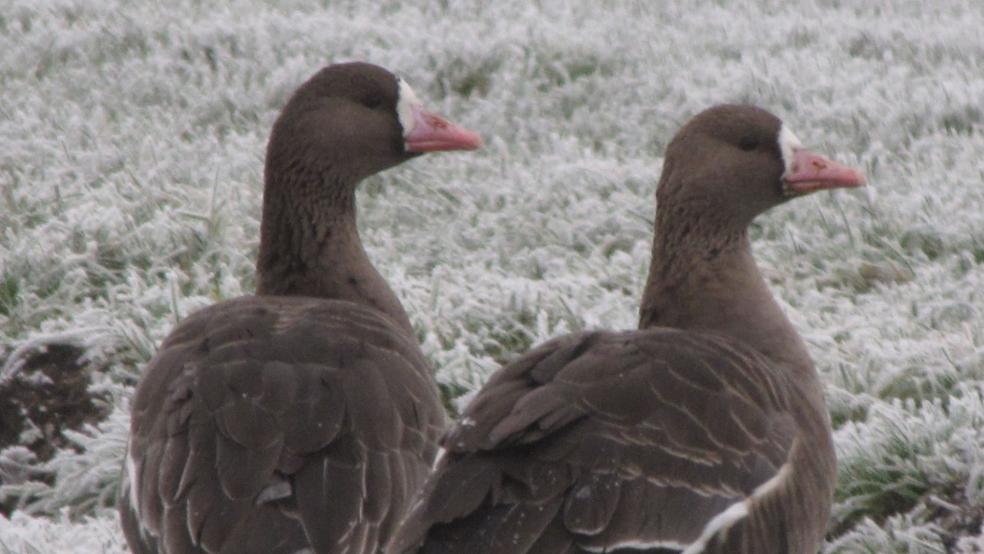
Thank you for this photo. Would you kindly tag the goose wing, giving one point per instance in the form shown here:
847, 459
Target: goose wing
277, 424
599, 441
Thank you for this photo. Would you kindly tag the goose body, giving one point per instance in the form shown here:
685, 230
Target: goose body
302, 419
703, 431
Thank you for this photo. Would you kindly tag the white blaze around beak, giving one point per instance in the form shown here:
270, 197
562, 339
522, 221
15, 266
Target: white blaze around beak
406, 107
788, 143
425, 131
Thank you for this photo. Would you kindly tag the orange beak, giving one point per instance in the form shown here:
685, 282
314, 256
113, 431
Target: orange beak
433, 133
812, 172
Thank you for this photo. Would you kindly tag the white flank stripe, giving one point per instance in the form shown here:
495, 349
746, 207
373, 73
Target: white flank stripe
637, 546
766, 487
722, 521
736, 511
441, 453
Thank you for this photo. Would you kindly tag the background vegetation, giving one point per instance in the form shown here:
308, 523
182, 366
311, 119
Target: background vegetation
131, 151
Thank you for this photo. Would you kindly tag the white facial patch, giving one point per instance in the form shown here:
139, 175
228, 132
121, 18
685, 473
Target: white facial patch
787, 144
131, 475
406, 104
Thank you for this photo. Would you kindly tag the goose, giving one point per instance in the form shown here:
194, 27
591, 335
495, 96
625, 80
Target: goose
702, 431
302, 419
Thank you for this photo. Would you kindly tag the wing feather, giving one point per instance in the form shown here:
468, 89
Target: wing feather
279, 414
333, 486
618, 425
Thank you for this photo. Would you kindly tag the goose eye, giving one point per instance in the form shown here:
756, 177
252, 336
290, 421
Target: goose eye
748, 143
372, 101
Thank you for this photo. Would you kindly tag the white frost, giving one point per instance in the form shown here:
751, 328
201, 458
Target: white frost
130, 198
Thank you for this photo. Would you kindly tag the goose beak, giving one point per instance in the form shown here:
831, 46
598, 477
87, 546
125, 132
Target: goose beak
811, 172
433, 133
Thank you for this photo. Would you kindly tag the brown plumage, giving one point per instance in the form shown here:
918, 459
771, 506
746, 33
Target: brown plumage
704, 431
302, 419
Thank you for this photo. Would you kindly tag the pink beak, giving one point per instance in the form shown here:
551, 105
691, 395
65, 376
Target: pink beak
812, 172
433, 133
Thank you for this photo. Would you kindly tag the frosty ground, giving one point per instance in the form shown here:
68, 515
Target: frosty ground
130, 182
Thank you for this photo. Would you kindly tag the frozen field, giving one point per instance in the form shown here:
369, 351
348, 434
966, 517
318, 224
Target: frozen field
131, 151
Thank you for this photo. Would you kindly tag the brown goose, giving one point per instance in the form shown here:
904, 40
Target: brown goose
302, 419
704, 431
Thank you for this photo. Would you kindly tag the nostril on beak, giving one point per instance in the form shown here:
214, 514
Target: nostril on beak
437, 122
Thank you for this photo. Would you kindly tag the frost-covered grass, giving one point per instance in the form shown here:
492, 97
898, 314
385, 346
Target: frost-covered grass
130, 180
